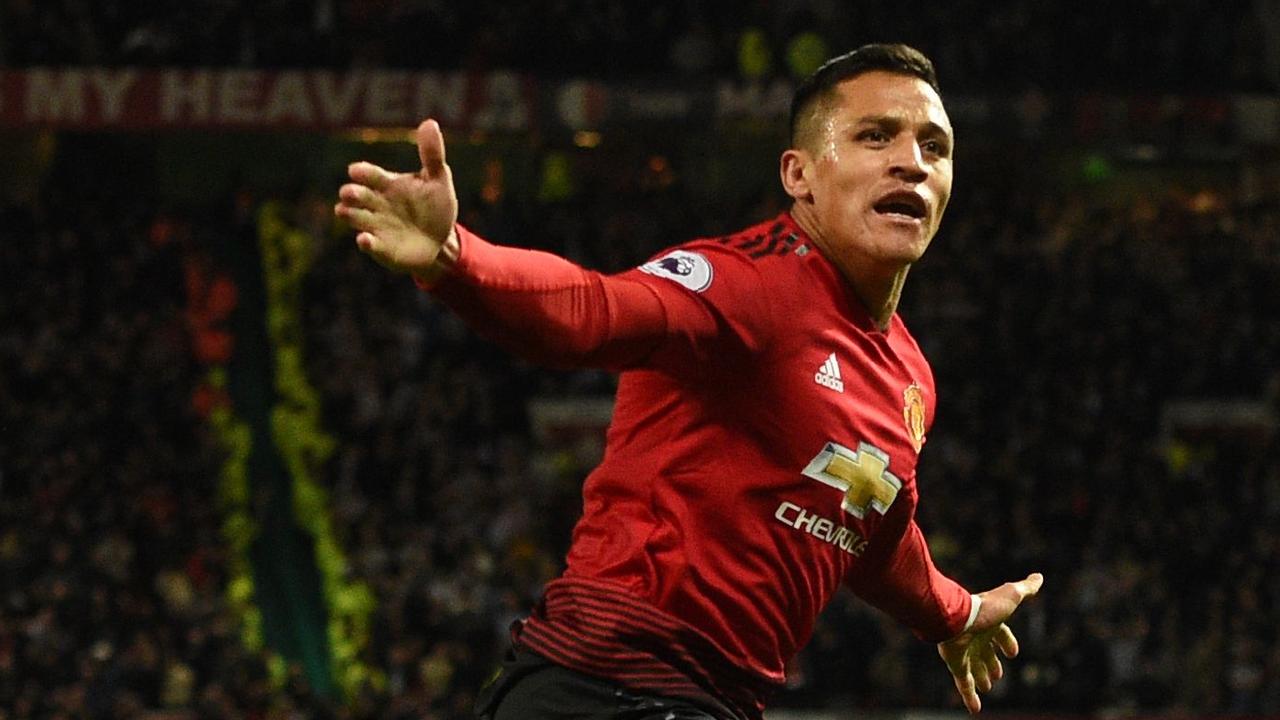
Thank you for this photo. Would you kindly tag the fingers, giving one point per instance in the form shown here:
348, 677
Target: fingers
431, 148
981, 678
370, 175
367, 242
362, 197
359, 206
968, 692
1005, 640
978, 673
358, 218
995, 669
973, 657
960, 657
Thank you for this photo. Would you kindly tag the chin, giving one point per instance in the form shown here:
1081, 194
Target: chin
906, 253
903, 241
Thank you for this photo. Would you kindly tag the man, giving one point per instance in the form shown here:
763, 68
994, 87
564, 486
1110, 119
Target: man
771, 408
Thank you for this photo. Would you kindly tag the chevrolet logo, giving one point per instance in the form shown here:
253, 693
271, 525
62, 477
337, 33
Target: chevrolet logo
862, 476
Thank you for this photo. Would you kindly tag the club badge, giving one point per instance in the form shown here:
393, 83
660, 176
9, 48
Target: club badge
913, 414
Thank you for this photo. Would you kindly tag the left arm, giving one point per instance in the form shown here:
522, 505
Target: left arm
969, 629
909, 588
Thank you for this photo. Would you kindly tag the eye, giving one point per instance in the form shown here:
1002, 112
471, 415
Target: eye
873, 135
934, 147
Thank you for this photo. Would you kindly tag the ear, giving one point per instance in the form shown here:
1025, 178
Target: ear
794, 171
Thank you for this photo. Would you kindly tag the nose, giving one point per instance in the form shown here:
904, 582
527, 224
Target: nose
907, 162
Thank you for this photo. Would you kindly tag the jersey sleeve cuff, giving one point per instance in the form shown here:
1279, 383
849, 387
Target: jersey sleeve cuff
973, 612
450, 260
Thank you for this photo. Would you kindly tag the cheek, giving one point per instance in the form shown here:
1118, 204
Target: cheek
943, 194
851, 186
844, 187
942, 205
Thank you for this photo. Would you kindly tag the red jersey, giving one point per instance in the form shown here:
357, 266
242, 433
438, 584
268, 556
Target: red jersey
762, 453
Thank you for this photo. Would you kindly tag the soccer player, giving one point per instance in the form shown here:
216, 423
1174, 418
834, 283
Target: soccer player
771, 408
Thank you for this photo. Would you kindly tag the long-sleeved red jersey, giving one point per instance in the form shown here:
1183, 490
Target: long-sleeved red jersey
762, 453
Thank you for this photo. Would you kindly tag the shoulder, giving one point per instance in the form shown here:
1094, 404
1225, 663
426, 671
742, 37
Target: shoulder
739, 285
773, 238
755, 257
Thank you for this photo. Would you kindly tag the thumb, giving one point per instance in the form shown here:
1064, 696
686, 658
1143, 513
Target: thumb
1029, 586
431, 148
999, 603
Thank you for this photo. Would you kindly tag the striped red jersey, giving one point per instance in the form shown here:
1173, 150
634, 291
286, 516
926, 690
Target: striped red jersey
762, 453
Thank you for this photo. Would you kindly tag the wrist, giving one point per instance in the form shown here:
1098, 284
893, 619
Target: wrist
446, 260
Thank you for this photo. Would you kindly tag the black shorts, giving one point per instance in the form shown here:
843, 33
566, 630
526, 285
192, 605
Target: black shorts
530, 687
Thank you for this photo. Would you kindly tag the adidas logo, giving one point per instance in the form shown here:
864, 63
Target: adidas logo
829, 374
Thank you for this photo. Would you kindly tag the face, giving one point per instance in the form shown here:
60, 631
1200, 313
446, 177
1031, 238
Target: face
874, 180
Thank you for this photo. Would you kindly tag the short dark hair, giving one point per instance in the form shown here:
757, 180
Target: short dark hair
888, 57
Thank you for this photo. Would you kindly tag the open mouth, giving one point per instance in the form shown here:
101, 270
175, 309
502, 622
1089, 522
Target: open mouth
907, 204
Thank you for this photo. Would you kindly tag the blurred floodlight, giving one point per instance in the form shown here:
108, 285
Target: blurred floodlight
1097, 168
587, 138
371, 135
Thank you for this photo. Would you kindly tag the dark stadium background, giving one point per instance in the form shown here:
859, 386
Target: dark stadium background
246, 473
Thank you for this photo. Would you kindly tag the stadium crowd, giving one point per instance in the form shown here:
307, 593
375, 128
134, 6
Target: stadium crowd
1059, 324
1149, 46
112, 569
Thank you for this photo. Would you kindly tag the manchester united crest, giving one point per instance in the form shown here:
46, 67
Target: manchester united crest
913, 414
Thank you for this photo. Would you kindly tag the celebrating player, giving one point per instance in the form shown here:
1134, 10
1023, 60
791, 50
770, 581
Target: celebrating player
770, 412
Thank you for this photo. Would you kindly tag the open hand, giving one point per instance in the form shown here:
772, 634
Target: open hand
971, 656
403, 219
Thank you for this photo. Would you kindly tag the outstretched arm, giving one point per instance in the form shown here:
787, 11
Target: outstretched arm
536, 305
971, 656
539, 306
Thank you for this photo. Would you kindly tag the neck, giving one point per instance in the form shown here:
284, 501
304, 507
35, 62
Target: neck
879, 294
877, 285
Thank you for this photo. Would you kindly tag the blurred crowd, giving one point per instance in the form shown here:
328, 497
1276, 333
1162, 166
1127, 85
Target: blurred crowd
1150, 45
1059, 323
112, 569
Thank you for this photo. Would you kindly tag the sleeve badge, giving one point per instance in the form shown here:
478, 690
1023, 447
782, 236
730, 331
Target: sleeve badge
689, 269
